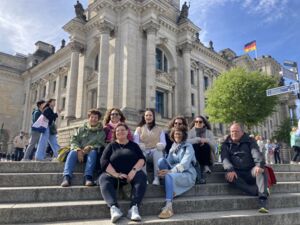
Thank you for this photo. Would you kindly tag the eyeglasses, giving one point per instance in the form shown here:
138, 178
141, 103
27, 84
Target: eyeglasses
114, 114
198, 121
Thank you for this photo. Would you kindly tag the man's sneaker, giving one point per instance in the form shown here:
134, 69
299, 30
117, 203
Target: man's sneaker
89, 181
262, 202
66, 181
133, 213
115, 214
156, 181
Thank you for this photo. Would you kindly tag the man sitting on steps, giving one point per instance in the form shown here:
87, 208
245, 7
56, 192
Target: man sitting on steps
244, 165
84, 146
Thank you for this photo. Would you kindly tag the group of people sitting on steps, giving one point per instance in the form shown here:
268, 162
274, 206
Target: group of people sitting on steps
180, 158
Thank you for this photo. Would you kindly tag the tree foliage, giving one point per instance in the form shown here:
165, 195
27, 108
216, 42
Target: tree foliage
282, 134
239, 95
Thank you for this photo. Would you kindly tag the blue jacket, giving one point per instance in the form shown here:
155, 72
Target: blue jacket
183, 172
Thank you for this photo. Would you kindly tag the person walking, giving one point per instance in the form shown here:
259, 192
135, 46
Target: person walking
35, 135
20, 143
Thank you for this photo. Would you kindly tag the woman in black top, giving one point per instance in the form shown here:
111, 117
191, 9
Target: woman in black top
122, 161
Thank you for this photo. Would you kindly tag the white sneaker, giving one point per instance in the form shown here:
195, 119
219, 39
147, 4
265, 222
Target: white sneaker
207, 169
156, 181
115, 214
133, 213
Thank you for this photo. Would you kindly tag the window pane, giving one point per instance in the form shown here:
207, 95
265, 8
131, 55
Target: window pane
158, 59
165, 64
192, 77
159, 104
206, 83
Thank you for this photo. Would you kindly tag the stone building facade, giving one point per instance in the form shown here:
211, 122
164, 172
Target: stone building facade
131, 54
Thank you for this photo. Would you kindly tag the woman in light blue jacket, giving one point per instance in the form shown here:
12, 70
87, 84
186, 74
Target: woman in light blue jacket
177, 169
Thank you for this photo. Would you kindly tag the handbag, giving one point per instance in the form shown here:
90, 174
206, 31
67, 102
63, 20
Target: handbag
41, 124
63, 153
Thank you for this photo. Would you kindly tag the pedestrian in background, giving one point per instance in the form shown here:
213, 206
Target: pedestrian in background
20, 143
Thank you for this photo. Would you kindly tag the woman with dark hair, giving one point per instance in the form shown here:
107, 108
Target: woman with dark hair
50, 134
177, 169
151, 140
203, 141
175, 122
112, 118
122, 161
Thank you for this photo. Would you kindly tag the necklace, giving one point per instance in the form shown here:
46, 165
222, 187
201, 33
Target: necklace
122, 146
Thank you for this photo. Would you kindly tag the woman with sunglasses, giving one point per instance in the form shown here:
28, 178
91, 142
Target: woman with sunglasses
203, 141
112, 118
151, 140
177, 121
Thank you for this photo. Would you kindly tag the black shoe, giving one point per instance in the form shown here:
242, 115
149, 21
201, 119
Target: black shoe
262, 202
66, 181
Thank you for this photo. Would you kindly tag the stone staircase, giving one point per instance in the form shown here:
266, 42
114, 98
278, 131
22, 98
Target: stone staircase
30, 194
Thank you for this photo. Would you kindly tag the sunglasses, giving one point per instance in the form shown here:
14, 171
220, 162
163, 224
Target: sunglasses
198, 121
114, 114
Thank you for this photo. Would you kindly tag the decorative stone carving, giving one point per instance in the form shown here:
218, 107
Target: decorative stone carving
165, 78
151, 27
105, 26
76, 46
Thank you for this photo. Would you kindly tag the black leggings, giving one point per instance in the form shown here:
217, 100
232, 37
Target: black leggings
297, 153
203, 154
109, 184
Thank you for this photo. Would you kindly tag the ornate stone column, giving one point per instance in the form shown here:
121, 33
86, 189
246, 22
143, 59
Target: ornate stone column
186, 50
151, 28
201, 89
76, 48
26, 124
104, 34
170, 111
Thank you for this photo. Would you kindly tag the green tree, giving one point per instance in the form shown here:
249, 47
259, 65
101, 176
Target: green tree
239, 95
282, 134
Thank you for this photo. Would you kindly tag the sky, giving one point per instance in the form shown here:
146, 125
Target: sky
274, 24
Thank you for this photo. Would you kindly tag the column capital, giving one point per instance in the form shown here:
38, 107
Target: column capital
105, 27
186, 47
76, 46
151, 27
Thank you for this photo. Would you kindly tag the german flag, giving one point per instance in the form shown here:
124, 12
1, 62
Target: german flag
251, 46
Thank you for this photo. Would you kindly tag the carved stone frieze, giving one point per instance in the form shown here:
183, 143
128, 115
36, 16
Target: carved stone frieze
151, 27
76, 46
165, 78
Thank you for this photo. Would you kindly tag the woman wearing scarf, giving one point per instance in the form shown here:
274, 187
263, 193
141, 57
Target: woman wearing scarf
112, 118
177, 169
151, 140
203, 141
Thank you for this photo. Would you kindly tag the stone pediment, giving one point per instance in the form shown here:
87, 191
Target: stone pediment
165, 78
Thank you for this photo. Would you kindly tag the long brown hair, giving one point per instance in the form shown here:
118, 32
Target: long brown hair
205, 121
106, 118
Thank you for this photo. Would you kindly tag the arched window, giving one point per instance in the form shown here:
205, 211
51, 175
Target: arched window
161, 61
96, 63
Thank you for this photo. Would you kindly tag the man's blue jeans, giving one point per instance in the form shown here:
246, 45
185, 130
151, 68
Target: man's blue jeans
72, 159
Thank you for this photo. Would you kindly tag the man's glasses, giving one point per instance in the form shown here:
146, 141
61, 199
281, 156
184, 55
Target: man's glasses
198, 121
114, 114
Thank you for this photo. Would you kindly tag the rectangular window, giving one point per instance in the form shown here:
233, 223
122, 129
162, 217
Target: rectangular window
54, 87
65, 81
63, 103
159, 59
206, 83
193, 99
44, 91
192, 77
159, 104
94, 98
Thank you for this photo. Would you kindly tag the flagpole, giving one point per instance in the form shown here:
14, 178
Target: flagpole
256, 53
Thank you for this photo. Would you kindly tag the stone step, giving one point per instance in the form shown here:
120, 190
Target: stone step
81, 193
55, 179
280, 216
57, 167
79, 210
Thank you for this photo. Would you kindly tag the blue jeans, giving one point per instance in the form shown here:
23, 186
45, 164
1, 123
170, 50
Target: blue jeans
41, 149
163, 164
72, 160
